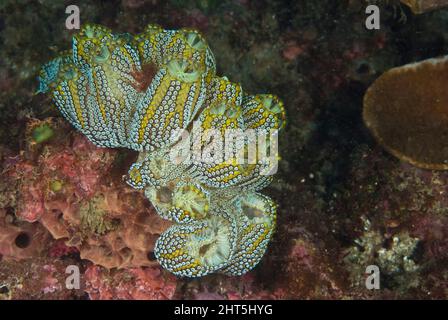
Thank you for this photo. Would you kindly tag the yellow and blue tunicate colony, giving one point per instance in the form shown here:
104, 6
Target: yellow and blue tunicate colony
136, 92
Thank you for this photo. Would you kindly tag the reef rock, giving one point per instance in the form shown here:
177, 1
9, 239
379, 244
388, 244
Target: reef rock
80, 202
20, 240
131, 284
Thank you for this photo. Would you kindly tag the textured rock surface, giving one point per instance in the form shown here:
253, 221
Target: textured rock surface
130, 284
67, 186
20, 240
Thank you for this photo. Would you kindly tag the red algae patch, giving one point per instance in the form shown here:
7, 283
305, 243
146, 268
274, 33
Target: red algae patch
406, 109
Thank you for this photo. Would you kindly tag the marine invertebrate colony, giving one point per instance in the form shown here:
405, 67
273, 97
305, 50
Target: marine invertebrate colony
422, 6
405, 108
140, 92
